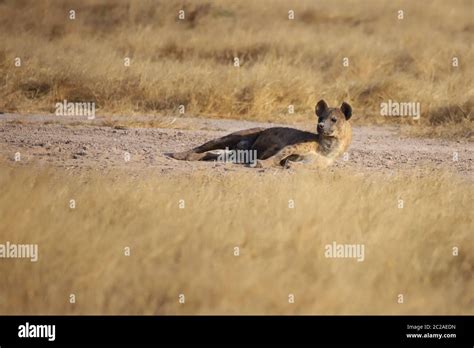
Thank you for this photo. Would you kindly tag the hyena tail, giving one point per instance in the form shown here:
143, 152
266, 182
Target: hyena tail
241, 140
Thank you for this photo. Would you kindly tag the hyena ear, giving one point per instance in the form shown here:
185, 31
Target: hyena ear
346, 110
321, 108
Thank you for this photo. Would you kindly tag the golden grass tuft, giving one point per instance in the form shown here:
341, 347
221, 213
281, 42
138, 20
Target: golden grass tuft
81, 251
283, 62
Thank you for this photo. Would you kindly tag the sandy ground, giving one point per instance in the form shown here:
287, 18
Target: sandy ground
101, 144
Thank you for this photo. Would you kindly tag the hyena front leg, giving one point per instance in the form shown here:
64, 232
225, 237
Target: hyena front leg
281, 158
241, 140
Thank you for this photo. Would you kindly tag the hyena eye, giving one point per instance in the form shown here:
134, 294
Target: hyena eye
334, 119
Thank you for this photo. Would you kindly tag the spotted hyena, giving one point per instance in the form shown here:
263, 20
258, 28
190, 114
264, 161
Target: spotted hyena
282, 146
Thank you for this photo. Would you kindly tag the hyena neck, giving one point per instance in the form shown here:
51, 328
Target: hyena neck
328, 146
333, 147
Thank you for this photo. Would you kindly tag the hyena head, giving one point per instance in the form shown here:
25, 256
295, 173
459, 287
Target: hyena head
332, 122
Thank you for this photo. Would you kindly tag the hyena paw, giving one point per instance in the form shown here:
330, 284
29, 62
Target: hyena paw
263, 164
179, 155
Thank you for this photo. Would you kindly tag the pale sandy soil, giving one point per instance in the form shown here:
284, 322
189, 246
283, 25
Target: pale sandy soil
80, 145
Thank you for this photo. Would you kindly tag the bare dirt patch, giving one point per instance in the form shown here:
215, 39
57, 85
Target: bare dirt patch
101, 145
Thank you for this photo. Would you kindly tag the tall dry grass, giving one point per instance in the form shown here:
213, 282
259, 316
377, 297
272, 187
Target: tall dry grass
190, 251
283, 62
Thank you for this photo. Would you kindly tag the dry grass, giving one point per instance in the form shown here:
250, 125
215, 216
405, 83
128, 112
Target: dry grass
282, 62
407, 251
190, 250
